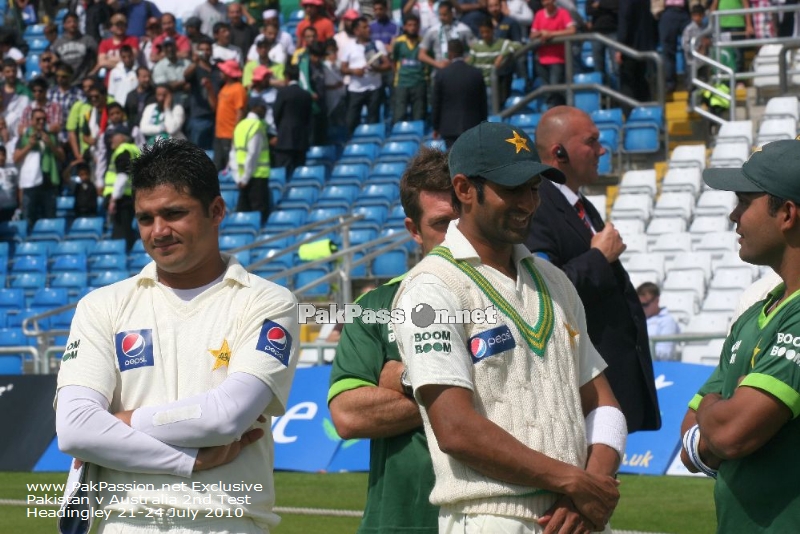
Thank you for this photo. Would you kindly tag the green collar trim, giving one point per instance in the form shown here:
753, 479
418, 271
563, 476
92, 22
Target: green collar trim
775, 294
535, 336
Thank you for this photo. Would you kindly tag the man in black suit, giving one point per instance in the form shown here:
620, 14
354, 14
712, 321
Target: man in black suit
292, 113
568, 230
459, 96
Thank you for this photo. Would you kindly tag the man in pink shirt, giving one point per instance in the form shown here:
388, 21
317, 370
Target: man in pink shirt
182, 43
549, 22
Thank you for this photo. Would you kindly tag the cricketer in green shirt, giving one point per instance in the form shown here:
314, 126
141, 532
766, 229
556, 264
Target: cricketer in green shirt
758, 493
400, 470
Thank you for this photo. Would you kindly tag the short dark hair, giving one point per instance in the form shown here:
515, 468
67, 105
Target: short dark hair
292, 73
486, 22
81, 167
697, 9
359, 20
3, 149
411, 16
316, 49
446, 3
219, 25
125, 48
164, 86
177, 163
8, 62
455, 48
115, 105
648, 289
37, 83
774, 203
140, 69
70, 15
427, 171
381, 2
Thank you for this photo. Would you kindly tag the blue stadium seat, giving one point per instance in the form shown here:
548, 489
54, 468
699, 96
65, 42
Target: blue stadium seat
310, 275
588, 100
52, 297
322, 213
397, 213
299, 196
242, 222
278, 260
231, 242
49, 229
107, 262
496, 118
408, 131
338, 195
390, 264
29, 263
608, 117
13, 231
231, 198
137, 261
321, 155
526, 121
109, 246
37, 45
642, 131
370, 133
15, 320
34, 30
360, 235
37, 248
350, 173
365, 153
275, 194
65, 206
400, 151
74, 282
282, 242
609, 137
605, 165
391, 171
384, 192
107, 277
12, 298
86, 228
281, 219
652, 114
530, 107
29, 281
277, 175
69, 263
296, 16
63, 320
11, 364
374, 215
69, 247
387, 230
273, 274
309, 173
518, 86
226, 180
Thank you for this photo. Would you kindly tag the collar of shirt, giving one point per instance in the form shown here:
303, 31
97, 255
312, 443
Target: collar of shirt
234, 271
462, 249
568, 193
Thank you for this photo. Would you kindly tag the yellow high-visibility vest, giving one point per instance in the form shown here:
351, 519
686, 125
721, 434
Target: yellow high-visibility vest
111, 173
244, 132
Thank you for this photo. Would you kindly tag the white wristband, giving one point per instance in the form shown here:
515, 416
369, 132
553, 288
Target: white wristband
606, 425
691, 440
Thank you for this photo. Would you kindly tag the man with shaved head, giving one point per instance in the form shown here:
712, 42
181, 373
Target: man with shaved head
568, 231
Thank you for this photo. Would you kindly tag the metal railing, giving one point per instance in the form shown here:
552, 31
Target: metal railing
723, 73
569, 87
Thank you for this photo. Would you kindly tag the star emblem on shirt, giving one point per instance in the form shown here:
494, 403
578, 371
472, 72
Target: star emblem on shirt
222, 356
519, 142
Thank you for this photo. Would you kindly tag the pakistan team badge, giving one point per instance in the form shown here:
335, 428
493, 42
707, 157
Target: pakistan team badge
222, 356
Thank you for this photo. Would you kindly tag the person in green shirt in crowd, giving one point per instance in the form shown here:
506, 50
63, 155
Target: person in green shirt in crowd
410, 76
488, 52
742, 427
368, 396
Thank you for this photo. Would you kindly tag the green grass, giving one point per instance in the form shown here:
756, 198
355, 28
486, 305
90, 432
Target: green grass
674, 505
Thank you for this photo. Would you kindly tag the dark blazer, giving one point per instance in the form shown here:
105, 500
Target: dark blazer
292, 112
616, 322
131, 105
459, 99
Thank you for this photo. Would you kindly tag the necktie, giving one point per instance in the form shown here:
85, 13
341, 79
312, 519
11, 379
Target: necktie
581, 209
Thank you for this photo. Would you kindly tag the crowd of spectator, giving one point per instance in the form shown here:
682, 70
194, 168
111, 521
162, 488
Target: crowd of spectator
126, 68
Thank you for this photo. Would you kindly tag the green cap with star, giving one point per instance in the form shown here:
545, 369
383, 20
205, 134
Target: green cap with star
773, 168
501, 154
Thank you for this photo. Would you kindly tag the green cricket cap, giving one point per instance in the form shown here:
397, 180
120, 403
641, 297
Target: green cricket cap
500, 153
773, 169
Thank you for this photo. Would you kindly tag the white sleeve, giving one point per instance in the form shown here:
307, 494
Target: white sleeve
119, 185
252, 54
87, 431
216, 417
146, 122
174, 119
428, 366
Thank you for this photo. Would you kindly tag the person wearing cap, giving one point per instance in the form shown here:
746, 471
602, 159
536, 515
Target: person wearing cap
345, 37
570, 233
249, 160
230, 105
210, 13
170, 70
267, 50
314, 17
152, 30
524, 430
183, 46
270, 16
243, 34
742, 427
192, 28
264, 90
108, 53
